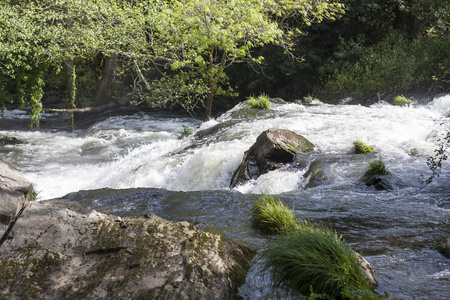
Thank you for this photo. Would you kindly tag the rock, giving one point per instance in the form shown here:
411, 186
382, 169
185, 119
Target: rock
273, 148
14, 189
10, 140
444, 246
59, 250
379, 182
367, 270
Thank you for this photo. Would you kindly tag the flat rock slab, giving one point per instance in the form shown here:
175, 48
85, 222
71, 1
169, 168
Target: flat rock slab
59, 250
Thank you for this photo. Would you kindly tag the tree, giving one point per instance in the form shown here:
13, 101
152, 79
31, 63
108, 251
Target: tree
38, 37
198, 40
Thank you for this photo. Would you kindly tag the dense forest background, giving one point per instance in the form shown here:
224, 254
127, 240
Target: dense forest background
190, 54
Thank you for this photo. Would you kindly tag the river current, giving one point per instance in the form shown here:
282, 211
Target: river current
130, 165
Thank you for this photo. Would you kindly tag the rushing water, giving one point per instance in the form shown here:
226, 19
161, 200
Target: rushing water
188, 178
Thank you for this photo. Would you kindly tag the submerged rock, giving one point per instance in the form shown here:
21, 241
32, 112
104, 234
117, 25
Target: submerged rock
273, 148
444, 246
59, 250
379, 183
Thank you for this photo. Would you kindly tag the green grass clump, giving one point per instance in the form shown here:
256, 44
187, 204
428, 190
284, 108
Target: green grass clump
271, 215
401, 101
376, 167
261, 102
360, 147
315, 262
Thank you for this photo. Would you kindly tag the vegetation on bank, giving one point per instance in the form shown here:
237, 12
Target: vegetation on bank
169, 55
308, 259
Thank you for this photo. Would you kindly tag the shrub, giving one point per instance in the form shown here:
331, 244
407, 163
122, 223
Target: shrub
401, 101
315, 262
186, 132
261, 102
271, 215
360, 147
376, 167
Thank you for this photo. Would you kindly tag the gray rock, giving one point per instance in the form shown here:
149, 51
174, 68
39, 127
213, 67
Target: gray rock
273, 148
444, 246
59, 250
14, 189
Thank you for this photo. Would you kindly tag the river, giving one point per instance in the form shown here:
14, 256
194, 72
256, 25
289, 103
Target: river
130, 165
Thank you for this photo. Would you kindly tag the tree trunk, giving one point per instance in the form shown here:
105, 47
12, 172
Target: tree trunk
109, 74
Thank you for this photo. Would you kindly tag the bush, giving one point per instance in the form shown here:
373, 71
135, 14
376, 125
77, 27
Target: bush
376, 167
271, 215
315, 262
360, 147
186, 132
401, 101
261, 102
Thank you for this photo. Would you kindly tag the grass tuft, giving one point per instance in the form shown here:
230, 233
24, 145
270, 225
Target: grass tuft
315, 262
360, 147
260, 102
402, 101
271, 215
376, 167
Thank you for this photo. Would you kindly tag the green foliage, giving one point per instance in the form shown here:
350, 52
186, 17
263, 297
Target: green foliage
260, 102
394, 65
360, 147
315, 262
208, 37
38, 37
401, 101
376, 167
271, 215
186, 132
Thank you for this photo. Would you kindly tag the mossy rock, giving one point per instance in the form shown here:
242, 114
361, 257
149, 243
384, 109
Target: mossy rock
61, 251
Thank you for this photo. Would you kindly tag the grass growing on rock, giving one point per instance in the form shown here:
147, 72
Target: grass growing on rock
260, 102
316, 263
376, 167
360, 148
270, 215
402, 101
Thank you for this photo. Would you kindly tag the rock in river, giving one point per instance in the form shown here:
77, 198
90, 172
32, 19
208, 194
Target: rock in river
272, 149
59, 250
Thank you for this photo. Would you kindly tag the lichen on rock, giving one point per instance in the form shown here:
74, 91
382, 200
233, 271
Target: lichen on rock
59, 250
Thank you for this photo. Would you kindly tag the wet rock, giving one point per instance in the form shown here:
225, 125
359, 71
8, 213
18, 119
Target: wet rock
379, 182
13, 192
60, 250
273, 149
444, 246
367, 270
10, 140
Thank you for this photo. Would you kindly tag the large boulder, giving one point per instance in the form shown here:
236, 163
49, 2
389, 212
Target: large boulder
59, 250
14, 190
273, 148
